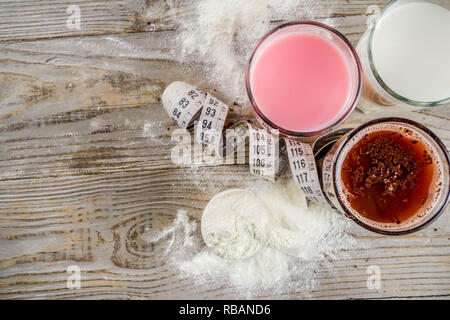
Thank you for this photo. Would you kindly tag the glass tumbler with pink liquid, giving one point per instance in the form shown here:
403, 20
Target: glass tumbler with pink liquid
303, 79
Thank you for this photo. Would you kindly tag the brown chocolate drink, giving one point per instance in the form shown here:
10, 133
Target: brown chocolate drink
387, 176
391, 176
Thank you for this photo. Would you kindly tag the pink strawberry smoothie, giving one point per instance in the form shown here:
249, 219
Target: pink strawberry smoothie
301, 82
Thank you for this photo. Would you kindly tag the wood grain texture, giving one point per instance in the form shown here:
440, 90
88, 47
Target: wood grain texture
46, 19
81, 180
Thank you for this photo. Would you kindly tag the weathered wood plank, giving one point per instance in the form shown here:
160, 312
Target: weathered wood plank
45, 19
79, 169
31, 20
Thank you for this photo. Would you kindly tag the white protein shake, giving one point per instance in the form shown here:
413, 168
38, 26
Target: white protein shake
411, 51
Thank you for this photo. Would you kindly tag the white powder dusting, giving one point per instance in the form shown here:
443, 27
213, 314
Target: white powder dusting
299, 240
154, 131
222, 34
268, 269
183, 225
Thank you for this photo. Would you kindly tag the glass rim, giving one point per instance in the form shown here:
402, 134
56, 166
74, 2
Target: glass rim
372, 228
260, 115
377, 76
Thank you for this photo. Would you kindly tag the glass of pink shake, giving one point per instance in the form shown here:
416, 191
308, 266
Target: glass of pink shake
303, 78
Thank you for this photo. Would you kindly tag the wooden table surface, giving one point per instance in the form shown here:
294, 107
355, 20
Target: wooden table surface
77, 174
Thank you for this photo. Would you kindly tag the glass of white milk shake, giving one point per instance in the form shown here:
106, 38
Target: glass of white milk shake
405, 55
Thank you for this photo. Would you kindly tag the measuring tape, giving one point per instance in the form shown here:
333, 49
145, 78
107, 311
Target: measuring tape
304, 170
263, 154
182, 102
211, 122
268, 155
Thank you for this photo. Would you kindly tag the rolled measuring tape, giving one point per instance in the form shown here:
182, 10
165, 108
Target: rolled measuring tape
268, 154
185, 104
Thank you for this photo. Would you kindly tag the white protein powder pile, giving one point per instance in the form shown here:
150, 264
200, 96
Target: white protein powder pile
295, 242
233, 223
303, 231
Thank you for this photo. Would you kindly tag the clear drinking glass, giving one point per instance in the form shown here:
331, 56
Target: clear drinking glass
340, 41
375, 92
440, 192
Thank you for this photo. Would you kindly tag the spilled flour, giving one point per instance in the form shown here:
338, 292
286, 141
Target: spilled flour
154, 131
298, 242
222, 34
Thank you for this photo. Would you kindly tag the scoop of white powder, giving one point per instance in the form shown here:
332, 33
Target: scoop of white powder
233, 224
